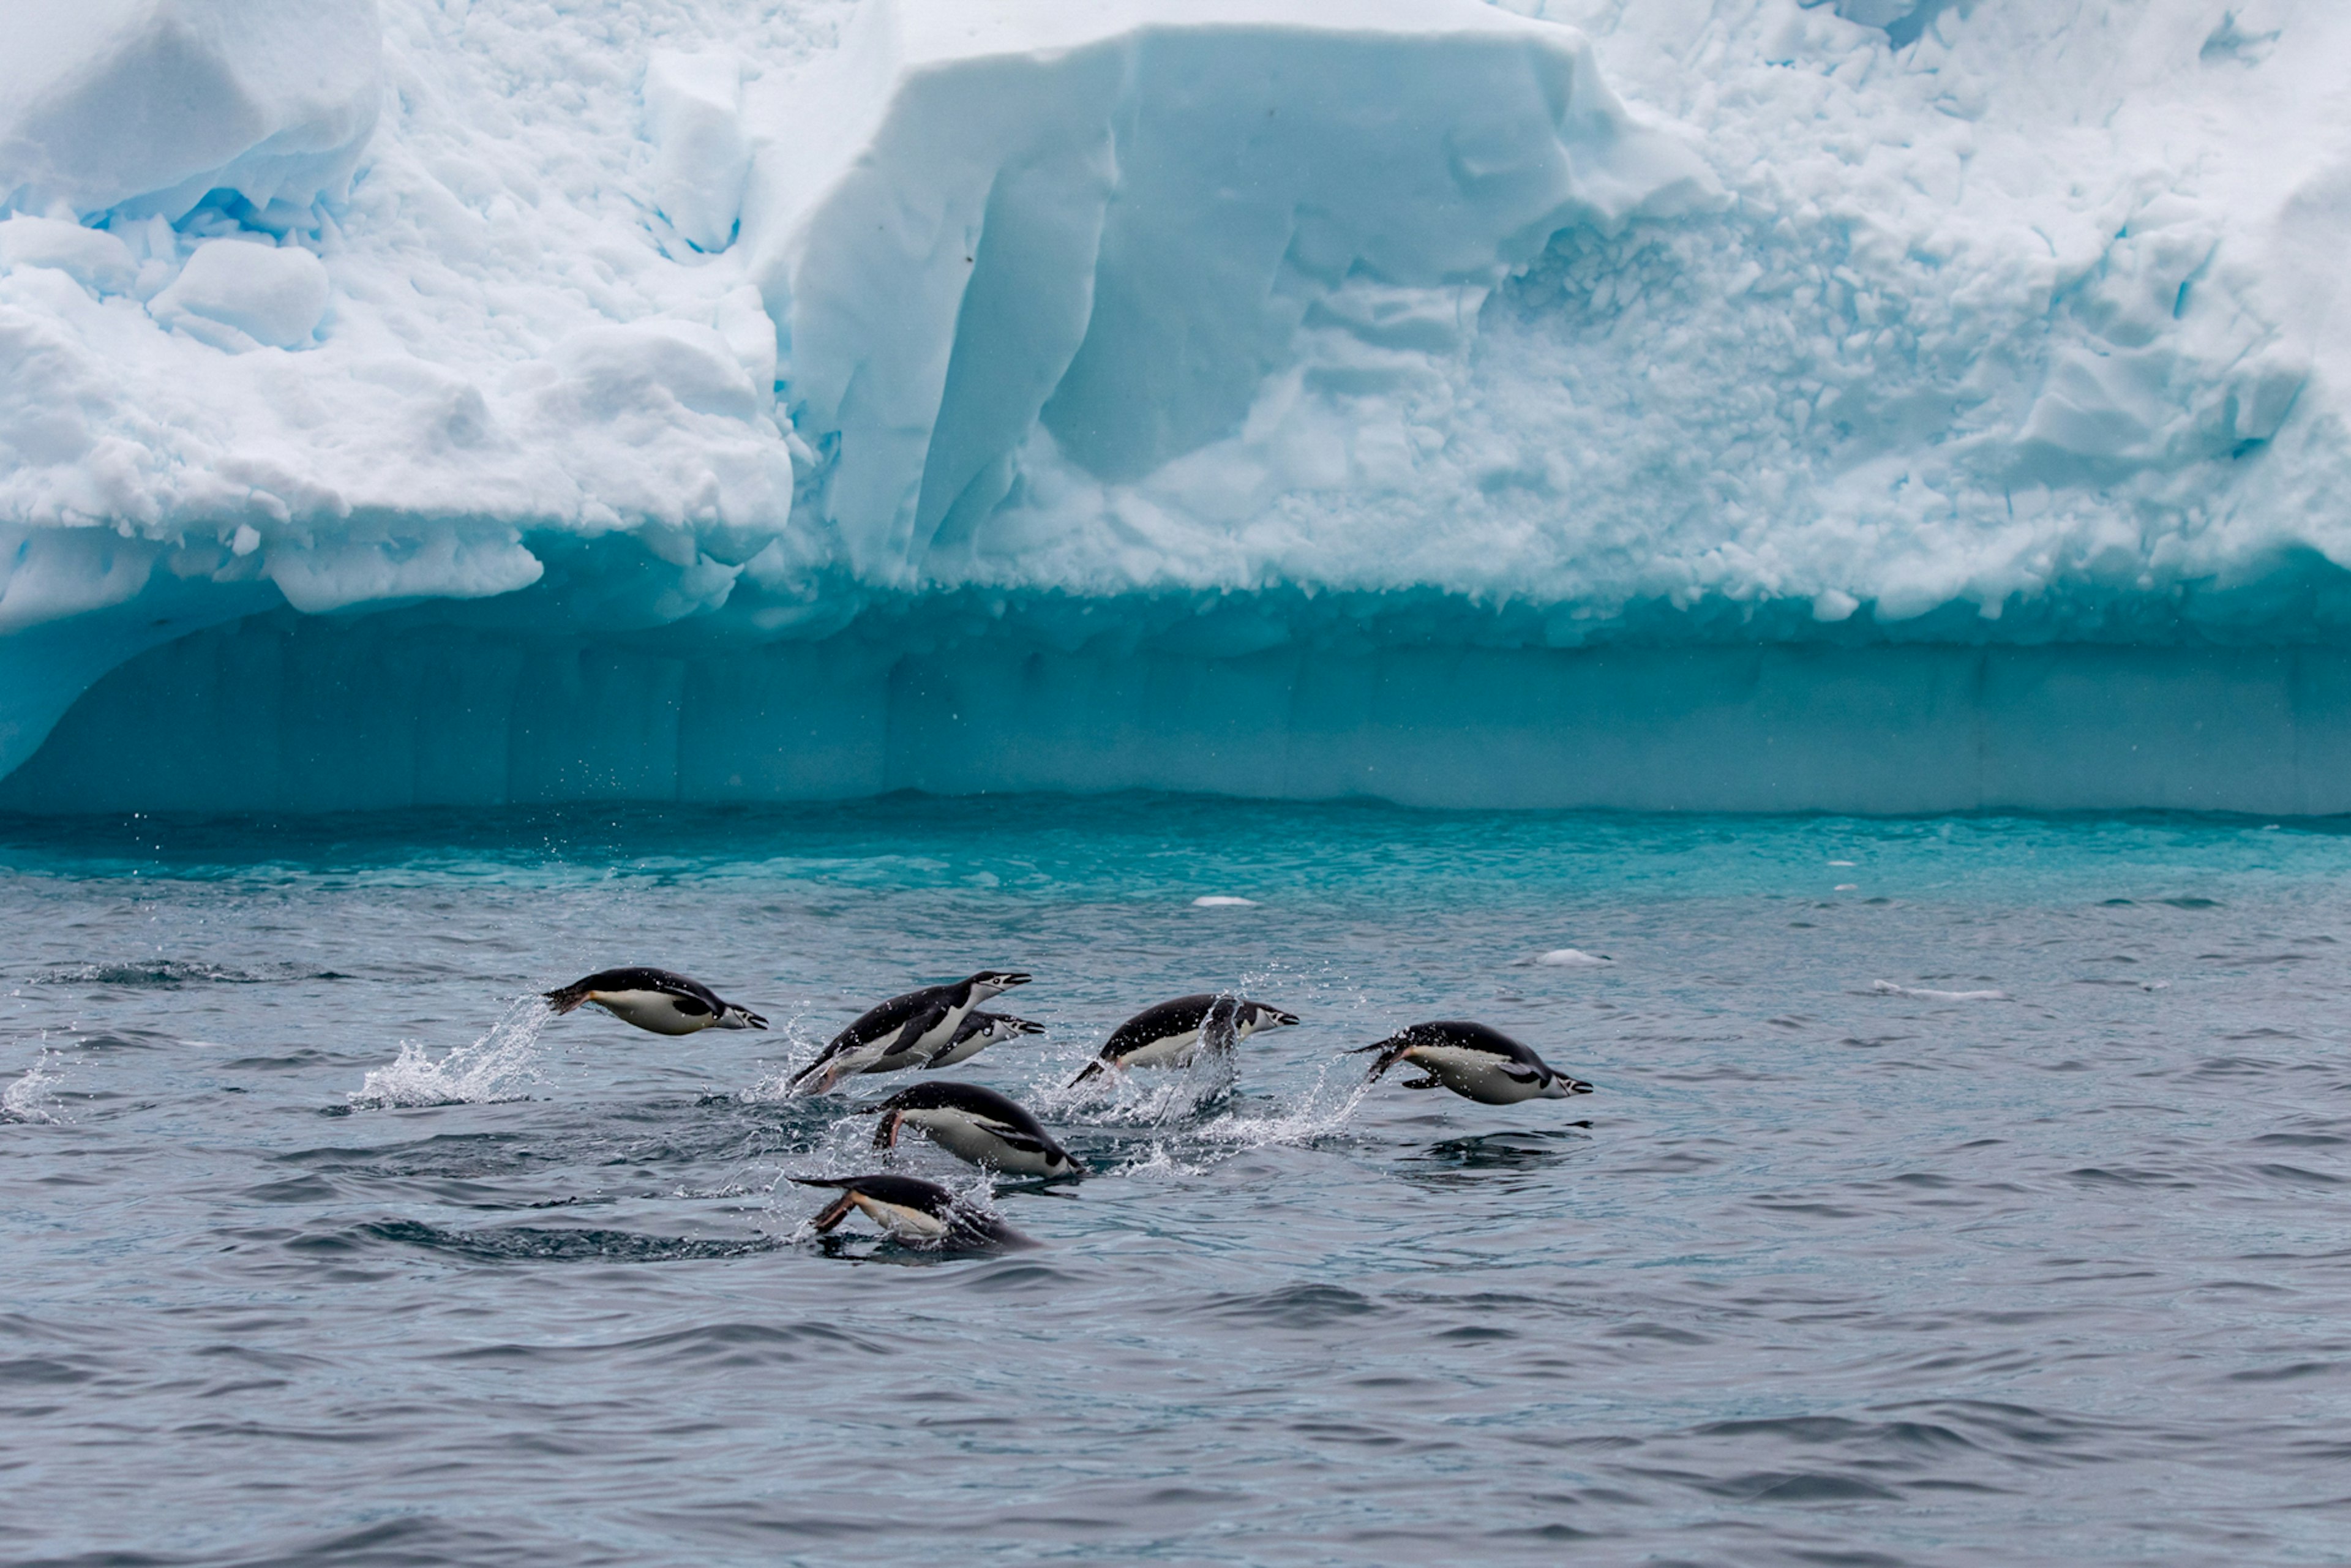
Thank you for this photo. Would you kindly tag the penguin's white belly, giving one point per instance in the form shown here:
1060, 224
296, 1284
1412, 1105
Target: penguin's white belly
1479, 1076
1174, 1051
969, 1140
654, 1011
900, 1221
963, 1052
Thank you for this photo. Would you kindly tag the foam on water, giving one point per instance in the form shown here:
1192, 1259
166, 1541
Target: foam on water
1927, 994
32, 1094
503, 1064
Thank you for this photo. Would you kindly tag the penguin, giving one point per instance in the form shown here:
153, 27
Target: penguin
1473, 1060
655, 999
976, 1033
922, 1212
975, 1125
903, 1032
1166, 1035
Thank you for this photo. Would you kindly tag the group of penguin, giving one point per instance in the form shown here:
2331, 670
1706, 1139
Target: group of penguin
938, 1026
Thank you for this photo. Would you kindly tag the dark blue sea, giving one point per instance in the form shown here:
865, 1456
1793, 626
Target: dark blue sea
1955, 1191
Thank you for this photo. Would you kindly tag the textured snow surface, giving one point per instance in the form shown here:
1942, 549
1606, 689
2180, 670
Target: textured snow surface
1213, 329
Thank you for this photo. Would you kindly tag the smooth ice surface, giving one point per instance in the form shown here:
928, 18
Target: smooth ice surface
1716, 322
1849, 1265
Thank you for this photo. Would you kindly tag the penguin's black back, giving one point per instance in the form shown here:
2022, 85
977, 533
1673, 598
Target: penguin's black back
1157, 1022
946, 1095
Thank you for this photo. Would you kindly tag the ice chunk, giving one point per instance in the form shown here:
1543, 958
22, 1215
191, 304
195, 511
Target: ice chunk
1571, 958
269, 295
1114, 219
694, 106
147, 105
91, 258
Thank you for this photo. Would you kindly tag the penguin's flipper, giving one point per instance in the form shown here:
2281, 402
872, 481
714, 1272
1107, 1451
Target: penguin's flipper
1392, 1050
839, 1209
819, 1076
886, 1134
896, 1054
1424, 1083
566, 998
688, 1004
1024, 1143
1091, 1070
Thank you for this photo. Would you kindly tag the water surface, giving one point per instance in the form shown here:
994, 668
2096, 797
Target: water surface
1955, 1191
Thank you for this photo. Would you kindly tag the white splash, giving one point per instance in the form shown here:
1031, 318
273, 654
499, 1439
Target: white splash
1318, 1113
1151, 1096
1223, 901
33, 1096
1922, 994
800, 1048
501, 1065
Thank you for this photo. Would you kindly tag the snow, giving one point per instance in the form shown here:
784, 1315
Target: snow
1731, 362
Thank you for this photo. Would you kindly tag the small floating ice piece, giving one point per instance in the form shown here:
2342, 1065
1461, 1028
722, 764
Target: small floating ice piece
1846, 887
1842, 862
1922, 994
1571, 958
1222, 901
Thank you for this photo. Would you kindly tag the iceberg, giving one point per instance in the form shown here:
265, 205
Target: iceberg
1882, 405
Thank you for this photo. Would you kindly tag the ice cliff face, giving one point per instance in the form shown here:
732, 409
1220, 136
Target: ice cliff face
699, 401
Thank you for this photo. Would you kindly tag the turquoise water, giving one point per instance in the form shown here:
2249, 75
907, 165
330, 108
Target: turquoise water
1955, 1190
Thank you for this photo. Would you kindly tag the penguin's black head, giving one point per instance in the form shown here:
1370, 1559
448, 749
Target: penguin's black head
988, 982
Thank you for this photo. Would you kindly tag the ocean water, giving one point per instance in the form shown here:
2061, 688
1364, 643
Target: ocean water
1955, 1191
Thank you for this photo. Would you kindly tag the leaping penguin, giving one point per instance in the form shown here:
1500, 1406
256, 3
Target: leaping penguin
905, 1031
913, 1210
975, 1125
1168, 1034
1473, 1060
655, 999
976, 1033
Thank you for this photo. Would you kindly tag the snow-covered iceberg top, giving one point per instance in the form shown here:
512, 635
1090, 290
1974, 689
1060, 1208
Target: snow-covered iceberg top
1095, 237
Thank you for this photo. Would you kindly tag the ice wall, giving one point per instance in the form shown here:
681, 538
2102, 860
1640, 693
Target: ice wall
1255, 348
